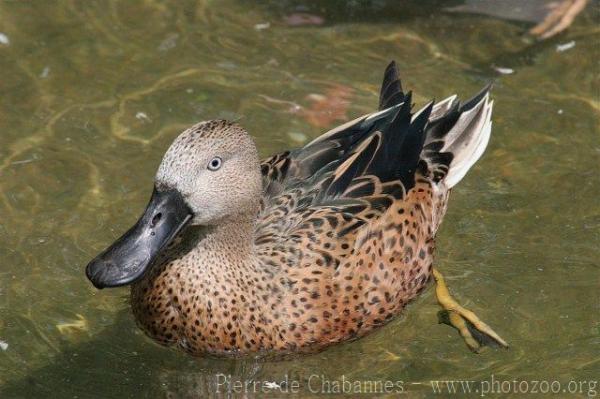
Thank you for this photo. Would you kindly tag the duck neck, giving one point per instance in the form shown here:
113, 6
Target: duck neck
231, 236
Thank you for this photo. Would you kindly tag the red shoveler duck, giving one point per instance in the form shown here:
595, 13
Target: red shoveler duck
308, 248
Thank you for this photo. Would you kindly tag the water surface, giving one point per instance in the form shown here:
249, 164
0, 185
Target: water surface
92, 93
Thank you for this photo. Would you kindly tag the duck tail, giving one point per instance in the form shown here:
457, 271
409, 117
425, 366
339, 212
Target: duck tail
457, 137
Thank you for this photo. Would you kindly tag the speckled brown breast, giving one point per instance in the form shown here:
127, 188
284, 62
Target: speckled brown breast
327, 288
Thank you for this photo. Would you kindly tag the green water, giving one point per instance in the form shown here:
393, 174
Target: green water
92, 93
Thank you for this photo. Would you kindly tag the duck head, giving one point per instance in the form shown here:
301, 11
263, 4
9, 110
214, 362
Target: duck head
209, 174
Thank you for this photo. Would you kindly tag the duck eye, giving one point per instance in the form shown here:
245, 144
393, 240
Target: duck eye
215, 163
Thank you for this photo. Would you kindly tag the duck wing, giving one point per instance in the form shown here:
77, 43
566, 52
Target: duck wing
352, 174
282, 168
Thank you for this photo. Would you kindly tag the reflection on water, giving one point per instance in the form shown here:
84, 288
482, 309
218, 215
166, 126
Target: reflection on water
92, 93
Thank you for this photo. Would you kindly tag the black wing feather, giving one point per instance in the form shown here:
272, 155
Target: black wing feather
399, 146
391, 88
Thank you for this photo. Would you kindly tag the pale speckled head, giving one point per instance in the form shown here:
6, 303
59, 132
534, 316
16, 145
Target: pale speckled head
215, 167
210, 174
